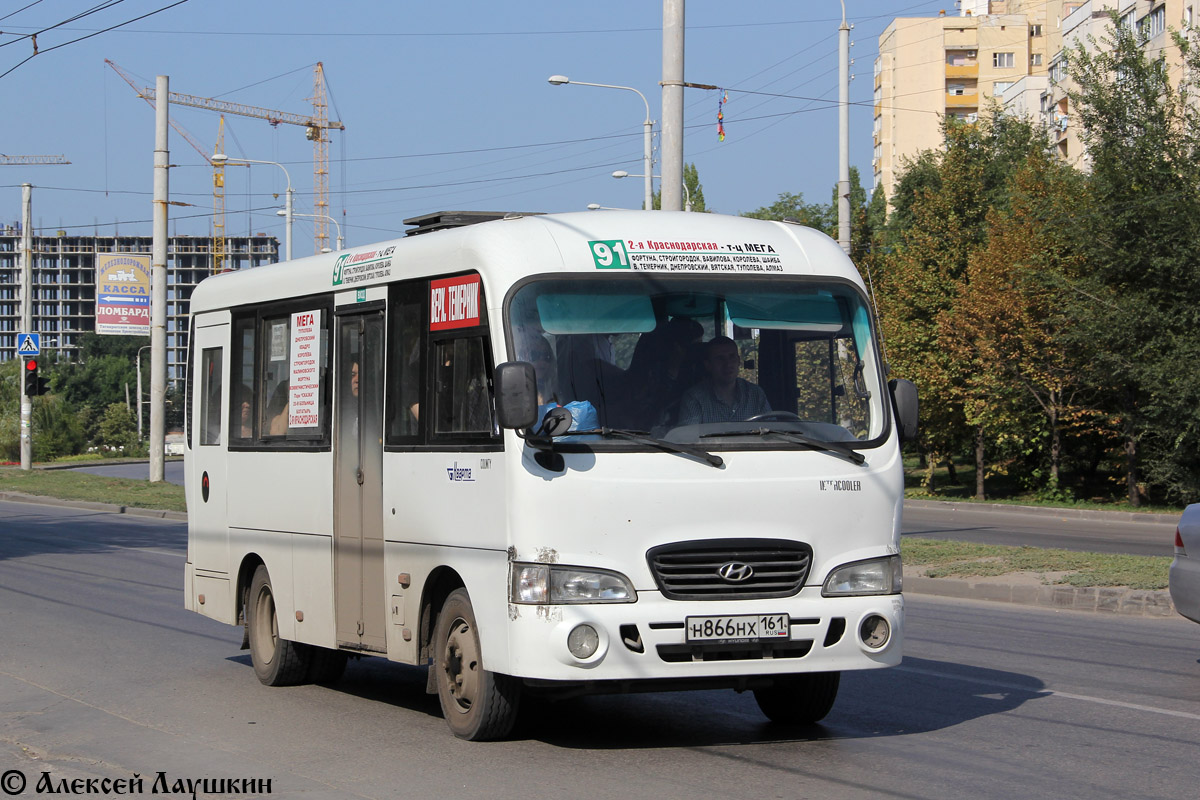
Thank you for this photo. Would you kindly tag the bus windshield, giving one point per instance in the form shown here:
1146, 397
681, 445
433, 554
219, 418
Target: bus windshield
723, 361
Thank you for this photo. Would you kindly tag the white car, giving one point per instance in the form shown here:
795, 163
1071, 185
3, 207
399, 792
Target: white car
1185, 569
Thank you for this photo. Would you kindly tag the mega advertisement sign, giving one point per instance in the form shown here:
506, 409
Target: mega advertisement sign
122, 294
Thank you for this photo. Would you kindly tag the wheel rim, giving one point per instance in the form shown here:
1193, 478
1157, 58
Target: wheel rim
461, 664
266, 627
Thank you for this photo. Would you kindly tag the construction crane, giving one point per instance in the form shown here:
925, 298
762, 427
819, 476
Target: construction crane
315, 126
218, 248
12, 160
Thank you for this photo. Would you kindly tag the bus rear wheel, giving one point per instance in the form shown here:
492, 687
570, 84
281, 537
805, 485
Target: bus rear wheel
277, 662
478, 705
799, 699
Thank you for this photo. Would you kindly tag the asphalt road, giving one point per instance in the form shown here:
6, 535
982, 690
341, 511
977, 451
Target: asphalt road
1097, 532
172, 471
103, 674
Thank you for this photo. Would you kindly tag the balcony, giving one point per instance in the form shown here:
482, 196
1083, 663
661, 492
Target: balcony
962, 100
962, 71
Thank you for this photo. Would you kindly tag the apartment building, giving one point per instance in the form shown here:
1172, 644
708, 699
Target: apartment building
930, 68
1089, 23
1014, 53
64, 285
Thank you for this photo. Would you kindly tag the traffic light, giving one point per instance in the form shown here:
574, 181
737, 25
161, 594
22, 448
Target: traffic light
31, 377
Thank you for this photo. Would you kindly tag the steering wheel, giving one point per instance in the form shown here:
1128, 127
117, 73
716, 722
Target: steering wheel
774, 415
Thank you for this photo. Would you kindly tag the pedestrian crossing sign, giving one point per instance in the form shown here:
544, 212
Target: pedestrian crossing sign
29, 344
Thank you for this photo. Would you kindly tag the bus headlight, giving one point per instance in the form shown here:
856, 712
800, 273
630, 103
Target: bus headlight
546, 583
874, 576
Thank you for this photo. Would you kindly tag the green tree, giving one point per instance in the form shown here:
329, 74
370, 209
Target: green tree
691, 179
106, 365
942, 209
792, 206
1138, 304
1009, 322
57, 429
118, 428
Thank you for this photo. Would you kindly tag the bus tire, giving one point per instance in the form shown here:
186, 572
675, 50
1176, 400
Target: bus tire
478, 705
326, 666
277, 661
799, 699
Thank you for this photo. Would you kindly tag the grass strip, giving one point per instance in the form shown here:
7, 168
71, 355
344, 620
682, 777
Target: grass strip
950, 559
73, 485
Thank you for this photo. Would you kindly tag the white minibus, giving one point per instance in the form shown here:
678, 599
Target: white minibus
556, 454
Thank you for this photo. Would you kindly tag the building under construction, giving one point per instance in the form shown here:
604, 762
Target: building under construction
64, 285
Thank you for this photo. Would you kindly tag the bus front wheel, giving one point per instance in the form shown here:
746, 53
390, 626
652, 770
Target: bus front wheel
799, 699
478, 705
277, 662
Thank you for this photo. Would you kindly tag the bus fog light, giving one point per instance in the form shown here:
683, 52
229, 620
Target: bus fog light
874, 631
583, 641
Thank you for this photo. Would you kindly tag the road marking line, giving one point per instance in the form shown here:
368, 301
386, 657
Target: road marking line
1051, 692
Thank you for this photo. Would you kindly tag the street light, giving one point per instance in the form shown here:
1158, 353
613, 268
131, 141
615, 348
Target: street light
648, 149
686, 192
281, 212
221, 158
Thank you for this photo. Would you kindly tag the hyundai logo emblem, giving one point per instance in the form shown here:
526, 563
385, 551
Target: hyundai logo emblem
736, 572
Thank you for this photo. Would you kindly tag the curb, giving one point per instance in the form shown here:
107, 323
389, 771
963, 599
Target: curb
1119, 601
133, 511
1144, 517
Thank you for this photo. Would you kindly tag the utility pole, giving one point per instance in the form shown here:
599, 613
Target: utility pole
158, 284
844, 133
672, 106
26, 319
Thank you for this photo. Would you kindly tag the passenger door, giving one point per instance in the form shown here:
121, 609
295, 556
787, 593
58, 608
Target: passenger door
358, 482
207, 490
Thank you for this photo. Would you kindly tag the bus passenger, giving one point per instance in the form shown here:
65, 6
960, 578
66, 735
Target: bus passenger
722, 396
539, 354
277, 411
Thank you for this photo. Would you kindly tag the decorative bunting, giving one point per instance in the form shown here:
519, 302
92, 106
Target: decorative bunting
721, 115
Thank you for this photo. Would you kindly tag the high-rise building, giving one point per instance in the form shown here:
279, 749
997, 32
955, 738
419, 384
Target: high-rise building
930, 68
64, 285
1012, 52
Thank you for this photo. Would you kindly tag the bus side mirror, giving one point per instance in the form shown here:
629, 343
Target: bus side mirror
516, 395
904, 402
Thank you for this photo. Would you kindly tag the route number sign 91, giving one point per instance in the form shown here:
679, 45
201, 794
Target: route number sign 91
609, 254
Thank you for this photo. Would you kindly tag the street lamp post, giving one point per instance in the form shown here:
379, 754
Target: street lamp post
221, 158
340, 243
139, 388
686, 192
648, 128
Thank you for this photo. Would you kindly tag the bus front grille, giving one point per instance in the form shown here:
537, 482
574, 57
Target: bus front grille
730, 569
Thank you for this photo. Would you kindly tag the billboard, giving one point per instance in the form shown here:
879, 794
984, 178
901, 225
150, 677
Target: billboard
122, 294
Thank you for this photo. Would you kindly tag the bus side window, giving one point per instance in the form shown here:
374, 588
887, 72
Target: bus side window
210, 396
461, 395
241, 376
406, 349
274, 405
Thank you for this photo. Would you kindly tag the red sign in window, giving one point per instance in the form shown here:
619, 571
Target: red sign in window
454, 303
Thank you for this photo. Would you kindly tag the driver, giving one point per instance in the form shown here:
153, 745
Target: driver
721, 396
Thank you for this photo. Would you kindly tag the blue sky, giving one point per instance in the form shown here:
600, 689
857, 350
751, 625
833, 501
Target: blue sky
446, 106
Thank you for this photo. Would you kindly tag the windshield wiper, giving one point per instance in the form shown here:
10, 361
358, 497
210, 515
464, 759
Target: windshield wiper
834, 448
644, 438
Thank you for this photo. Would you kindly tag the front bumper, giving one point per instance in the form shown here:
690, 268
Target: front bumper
646, 640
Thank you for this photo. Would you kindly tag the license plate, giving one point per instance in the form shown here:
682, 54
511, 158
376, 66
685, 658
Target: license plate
747, 627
